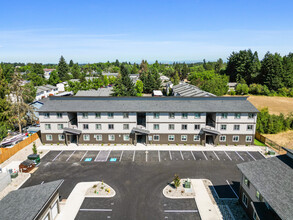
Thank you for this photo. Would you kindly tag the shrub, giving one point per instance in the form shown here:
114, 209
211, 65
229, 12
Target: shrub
35, 151
176, 181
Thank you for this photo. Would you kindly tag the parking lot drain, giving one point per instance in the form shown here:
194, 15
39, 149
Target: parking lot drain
113, 159
88, 159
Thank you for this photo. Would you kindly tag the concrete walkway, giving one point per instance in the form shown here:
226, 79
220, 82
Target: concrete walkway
120, 147
206, 208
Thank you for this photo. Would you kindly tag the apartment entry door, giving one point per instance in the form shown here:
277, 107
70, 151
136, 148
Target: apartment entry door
141, 138
209, 139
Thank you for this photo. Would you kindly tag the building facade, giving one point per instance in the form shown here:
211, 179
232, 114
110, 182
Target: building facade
155, 120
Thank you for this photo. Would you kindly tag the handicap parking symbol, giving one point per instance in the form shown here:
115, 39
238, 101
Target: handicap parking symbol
88, 159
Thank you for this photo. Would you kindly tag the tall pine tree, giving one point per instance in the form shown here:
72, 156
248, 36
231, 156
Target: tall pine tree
63, 69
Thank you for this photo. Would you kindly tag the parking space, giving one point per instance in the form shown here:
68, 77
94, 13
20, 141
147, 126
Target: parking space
223, 155
176, 155
90, 156
257, 155
187, 155
199, 155
127, 156
245, 156
50, 156
180, 209
115, 155
211, 155
165, 156
153, 156
140, 157
75, 157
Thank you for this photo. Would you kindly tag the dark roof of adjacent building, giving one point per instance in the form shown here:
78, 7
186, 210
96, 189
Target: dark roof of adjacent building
148, 104
273, 178
188, 90
99, 92
27, 203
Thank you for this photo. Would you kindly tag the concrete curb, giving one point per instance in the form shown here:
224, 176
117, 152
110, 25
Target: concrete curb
28, 176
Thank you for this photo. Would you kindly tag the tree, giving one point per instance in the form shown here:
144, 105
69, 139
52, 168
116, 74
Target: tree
36, 79
63, 69
124, 85
176, 79
219, 65
75, 71
31, 93
134, 69
117, 64
139, 87
185, 71
71, 63
242, 89
35, 151
54, 78
37, 68
143, 66
4, 104
288, 70
106, 81
176, 181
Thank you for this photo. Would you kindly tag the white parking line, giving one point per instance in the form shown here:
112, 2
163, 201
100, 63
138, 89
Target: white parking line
239, 155
83, 156
250, 155
121, 156
146, 156
232, 189
70, 156
42, 183
133, 156
227, 155
57, 156
182, 155
97, 156
170, 155
159, 156
192, 155
216, 155
205, 155
181, 211
108, 155
96, 210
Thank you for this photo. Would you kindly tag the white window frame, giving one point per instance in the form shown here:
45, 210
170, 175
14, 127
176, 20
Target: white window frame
156, 126
184, 135
223, 128
126, 137
224, 115
244, 200
246, 182
156, 115
59, 115
237, 115
49, 139
61, 137
197, 115
172, 115
170, 137
125, 126
86, 135
171, 126
111, 135
84, 126
125, 115
99, 137
110, 115
249, 129
98, 115
250, 137
98, 126
224, 138
85, 115
196, 137
250, 115
60, 126
156, 139
235, 137
47, 126
109, 126
46, 115
184, 115
238, 128
183, 127
197, 125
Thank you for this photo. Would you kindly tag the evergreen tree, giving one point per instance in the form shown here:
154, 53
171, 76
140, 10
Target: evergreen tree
71, 63
106, 81
37, 68
54, 78
75, 71
219, 65
117, 64
124, 86
176, 79
185, 71
63, 69
288, 70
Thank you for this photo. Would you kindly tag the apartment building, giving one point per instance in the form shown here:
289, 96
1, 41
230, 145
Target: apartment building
156, 120
266, 190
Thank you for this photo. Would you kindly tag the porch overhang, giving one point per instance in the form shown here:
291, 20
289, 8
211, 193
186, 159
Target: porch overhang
140, 130
71, 131
210, 131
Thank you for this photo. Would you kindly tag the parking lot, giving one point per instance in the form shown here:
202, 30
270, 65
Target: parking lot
138, 177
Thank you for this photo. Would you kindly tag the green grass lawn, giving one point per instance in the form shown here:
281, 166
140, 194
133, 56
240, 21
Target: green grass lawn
258, 143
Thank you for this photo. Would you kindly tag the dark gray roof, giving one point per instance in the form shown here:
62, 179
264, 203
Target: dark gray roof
26, 203
148, 104
273, 178
72, 130
188, 90
100, 92
140, 130
211, 131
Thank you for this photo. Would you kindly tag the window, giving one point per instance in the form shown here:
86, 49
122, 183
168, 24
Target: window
111, 137
47, 127
85, 126
49, 137
110, 126
255, 217
98, 127
171, 126
196, 127
223, 127
183, 127
244, 200
249, 127
156, 137
156, 126
184, 115
171, 115
99, 137
171, 138
59, 126
61, 137
85, 115
183, 137
196, 137
47, 115
236, 127
59, 115
222, 138
110, 115
246, 182
54, 210
250, 115
196, 115
98, 115
235, 138
125, 126
248, 139
156, 115
126, 137
224, 115
237, 115
258, 195
86, 137
125, 115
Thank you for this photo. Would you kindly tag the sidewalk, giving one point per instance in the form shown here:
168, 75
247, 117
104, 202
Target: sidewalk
120, 147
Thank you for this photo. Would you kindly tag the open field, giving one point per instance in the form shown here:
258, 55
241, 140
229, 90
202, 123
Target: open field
284, 139
275, 104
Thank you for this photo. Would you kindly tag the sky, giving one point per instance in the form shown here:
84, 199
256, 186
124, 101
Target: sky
88, 31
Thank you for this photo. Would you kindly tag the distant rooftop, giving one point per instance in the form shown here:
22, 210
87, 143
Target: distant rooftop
100, 92
188, 90
45, 88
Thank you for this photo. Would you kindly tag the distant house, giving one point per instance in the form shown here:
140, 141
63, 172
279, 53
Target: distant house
110, 74
157, 93
34, 202
266, 187
61, 86
134, 77
100, 92
47, 73
232, 86
164, 78
188, 90
45, 91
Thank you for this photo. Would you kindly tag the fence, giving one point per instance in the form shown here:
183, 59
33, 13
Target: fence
6, 153
270, 143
